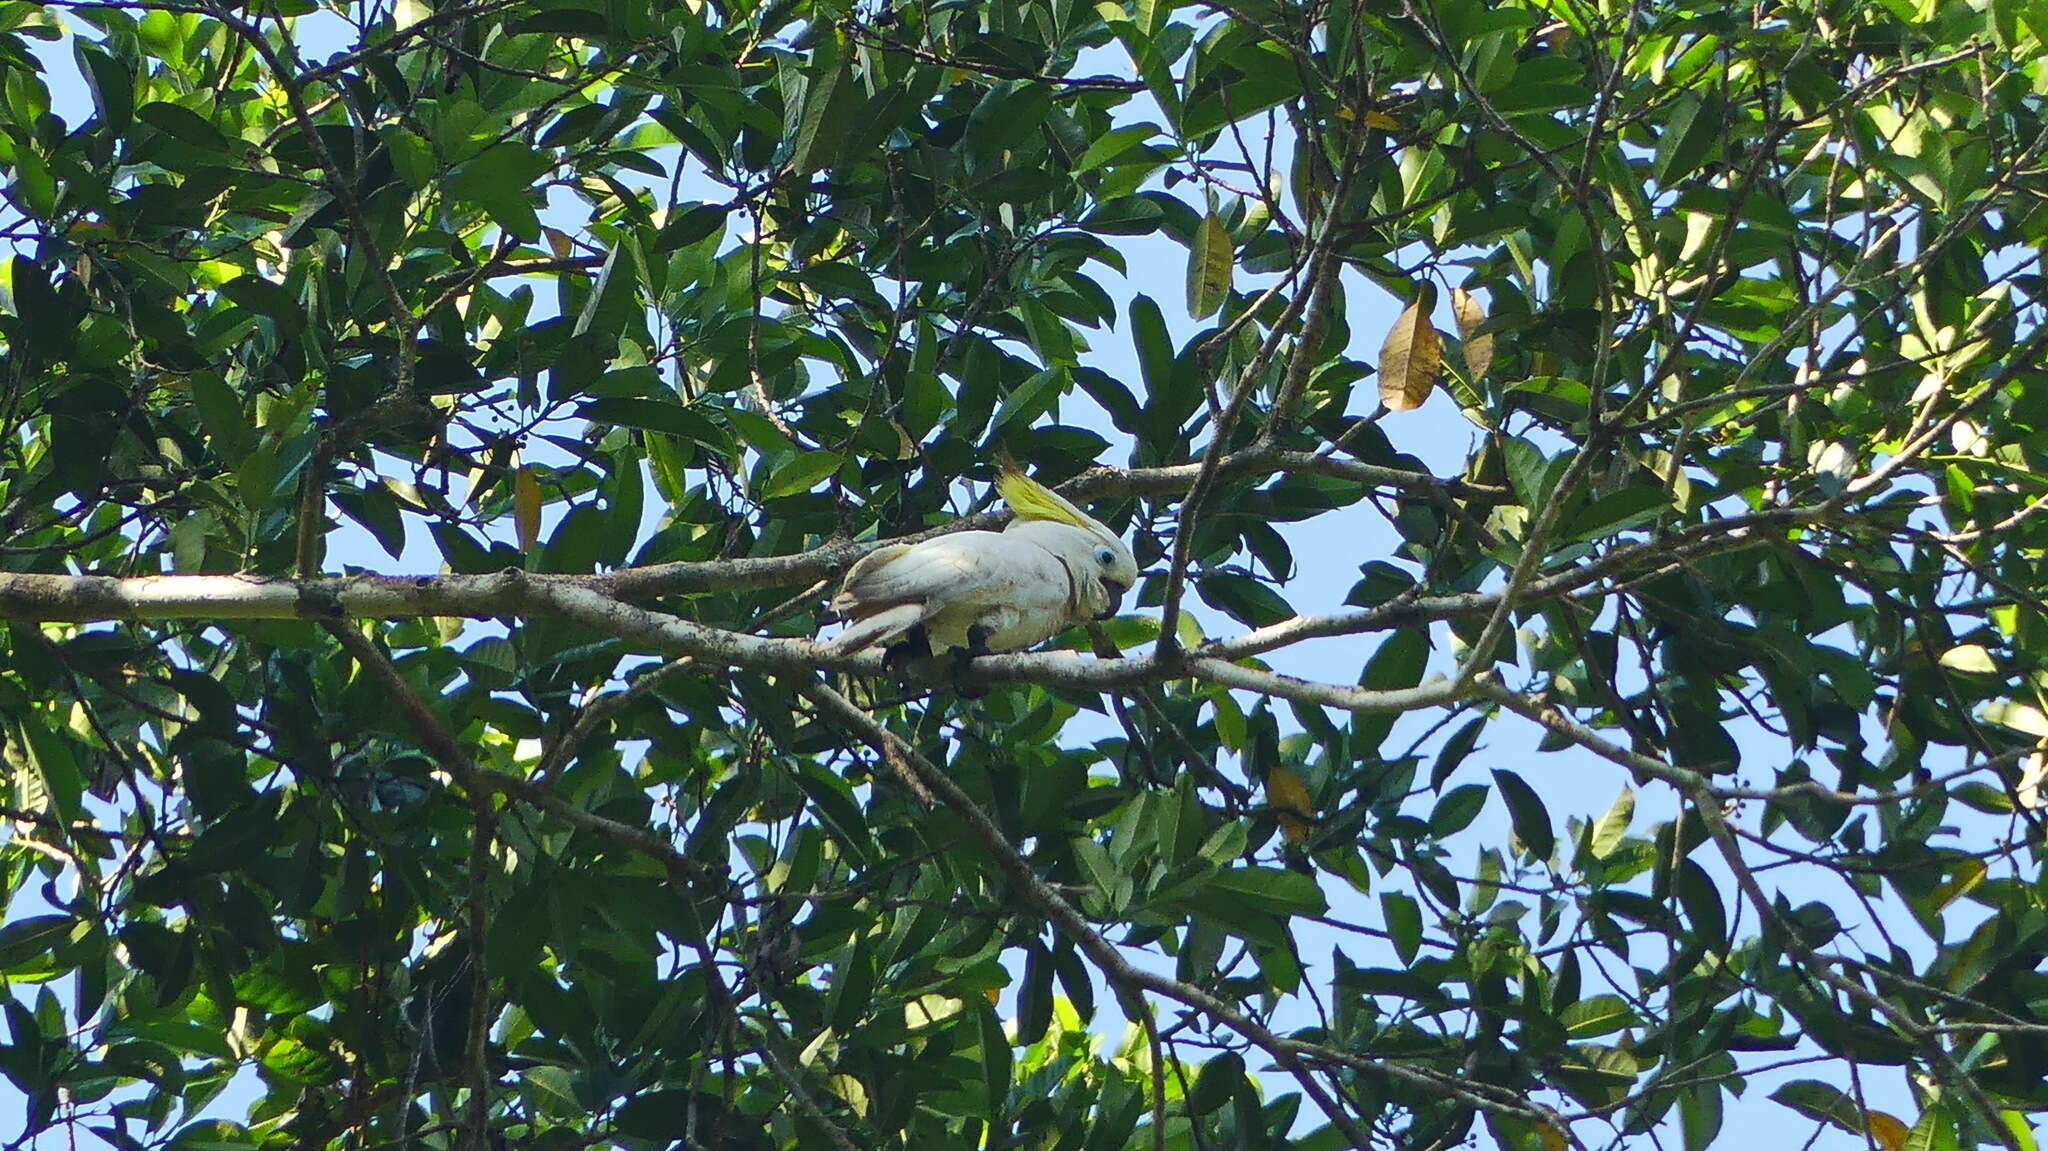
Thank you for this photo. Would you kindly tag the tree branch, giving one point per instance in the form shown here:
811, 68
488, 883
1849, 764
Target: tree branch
1697, 789
1291, 1054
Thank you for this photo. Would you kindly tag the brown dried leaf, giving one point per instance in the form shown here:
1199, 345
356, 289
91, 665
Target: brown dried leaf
1889, 1131
1470, 313
1411, 360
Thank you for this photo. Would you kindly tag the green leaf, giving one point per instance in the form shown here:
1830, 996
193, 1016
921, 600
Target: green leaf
667, 1115
2021, 717
553, 1088
500, 180
2022, 1131
800, 474
1403, 917
1704, 909
213, 1135
684, 228
1271, 889
1531, 820
1699, 1116
1455, 751
1244, 599
111, 84
995, 1059
1693, 128
1633, 507
1397, 664
828, 99
1457, 809
1209, 267
1822, 1102
1612, 826
1030, 399
1113, 144
1566, 401
853, 986
1599, 1015
676, 419
1034, 995
1154, 346
269, 300
54, 766
411, 156
185, 125
33, 937
1216, 1083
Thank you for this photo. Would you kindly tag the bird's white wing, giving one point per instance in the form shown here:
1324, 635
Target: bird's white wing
964, 567
893, 589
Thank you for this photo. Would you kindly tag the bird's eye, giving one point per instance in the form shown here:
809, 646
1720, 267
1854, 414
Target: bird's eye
1105, 557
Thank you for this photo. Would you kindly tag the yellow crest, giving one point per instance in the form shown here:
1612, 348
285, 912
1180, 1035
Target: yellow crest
1030, 500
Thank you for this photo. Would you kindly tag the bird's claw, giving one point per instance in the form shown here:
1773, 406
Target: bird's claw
961, 657
900, 659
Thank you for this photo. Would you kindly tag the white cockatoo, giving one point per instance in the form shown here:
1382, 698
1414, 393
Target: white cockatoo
981, 592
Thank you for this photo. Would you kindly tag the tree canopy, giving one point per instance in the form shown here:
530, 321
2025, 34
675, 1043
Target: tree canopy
622, 327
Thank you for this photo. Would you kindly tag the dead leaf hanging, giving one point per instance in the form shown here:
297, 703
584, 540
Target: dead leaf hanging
1470, 314
1412, 358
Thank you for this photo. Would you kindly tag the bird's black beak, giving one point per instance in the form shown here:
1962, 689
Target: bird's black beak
1116, 598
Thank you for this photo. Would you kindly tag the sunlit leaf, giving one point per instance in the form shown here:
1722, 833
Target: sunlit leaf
1478, 346
526, 500
1411, 359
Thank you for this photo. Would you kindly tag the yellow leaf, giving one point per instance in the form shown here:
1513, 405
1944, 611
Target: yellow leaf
851, 1090
526, 507
1372, 119
1969, 657
1552, 1138
995, 995
926, 1010
1289, 799
906, 446
2022, 1131
1411, 359
1887, 1130
1470, 313
2020, 717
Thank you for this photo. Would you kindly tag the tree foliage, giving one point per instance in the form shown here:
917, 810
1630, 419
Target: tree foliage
621, 327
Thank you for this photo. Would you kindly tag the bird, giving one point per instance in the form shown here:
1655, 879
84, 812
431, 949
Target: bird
974, 593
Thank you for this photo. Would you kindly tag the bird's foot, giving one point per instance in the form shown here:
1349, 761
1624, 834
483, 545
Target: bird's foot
900, 659
961, 657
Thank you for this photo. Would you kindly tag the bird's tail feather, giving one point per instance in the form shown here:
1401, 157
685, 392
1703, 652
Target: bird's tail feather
880, 627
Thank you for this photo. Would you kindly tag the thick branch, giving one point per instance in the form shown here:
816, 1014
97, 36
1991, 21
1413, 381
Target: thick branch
585, 600
34, 596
